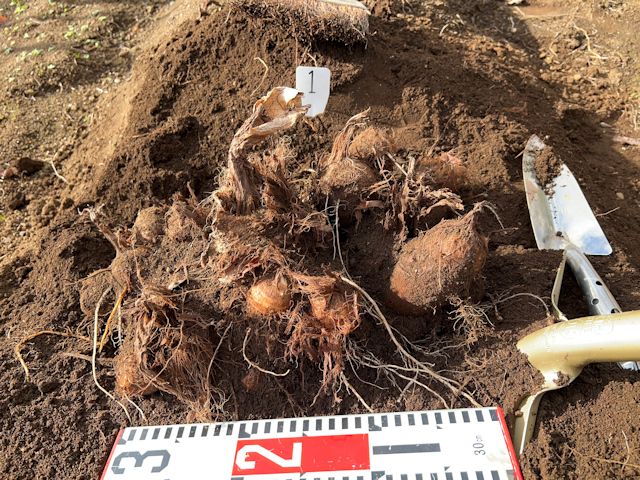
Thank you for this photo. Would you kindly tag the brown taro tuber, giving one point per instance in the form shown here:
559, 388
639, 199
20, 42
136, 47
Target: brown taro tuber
347, 173
446, 171
270, 296
149, 225
438, 266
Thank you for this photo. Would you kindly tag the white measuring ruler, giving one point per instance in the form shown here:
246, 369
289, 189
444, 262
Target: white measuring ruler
467, 444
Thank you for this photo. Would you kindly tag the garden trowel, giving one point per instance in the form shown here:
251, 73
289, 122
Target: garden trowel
563, 220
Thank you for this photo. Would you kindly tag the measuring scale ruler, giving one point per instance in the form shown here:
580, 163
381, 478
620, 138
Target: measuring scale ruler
465, 444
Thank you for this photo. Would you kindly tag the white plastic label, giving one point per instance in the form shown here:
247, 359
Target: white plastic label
314, 83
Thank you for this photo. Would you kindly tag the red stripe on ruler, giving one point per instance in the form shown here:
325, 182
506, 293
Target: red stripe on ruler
302, 454
510, 449
113, 449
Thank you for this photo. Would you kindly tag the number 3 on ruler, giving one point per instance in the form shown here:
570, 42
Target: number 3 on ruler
314, 83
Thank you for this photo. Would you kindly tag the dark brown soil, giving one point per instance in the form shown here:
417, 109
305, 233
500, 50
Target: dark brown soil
142, 102
547, 167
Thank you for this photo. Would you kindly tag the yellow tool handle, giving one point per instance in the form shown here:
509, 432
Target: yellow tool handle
562, 350
567, 347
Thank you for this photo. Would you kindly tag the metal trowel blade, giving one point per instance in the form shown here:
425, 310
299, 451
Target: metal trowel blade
564, 214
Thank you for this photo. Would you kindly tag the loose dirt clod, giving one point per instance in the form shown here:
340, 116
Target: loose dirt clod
547, 166
438, 266
251, 380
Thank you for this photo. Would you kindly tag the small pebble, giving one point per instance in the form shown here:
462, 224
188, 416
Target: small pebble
620, 195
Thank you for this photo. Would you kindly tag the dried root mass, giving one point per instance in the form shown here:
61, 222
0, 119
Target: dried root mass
245, 253
167, 351
279, 110
319, 326
313, 19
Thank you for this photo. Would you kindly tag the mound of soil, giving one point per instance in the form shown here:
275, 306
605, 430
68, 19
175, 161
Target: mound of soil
469, 81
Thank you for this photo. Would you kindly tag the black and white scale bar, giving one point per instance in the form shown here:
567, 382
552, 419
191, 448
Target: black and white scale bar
364, 423
475, 475
464, 444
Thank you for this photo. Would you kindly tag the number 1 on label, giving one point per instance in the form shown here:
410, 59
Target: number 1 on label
311, 89
314, 83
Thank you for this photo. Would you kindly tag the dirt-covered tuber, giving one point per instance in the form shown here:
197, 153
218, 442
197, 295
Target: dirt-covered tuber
438, 266
349, 171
